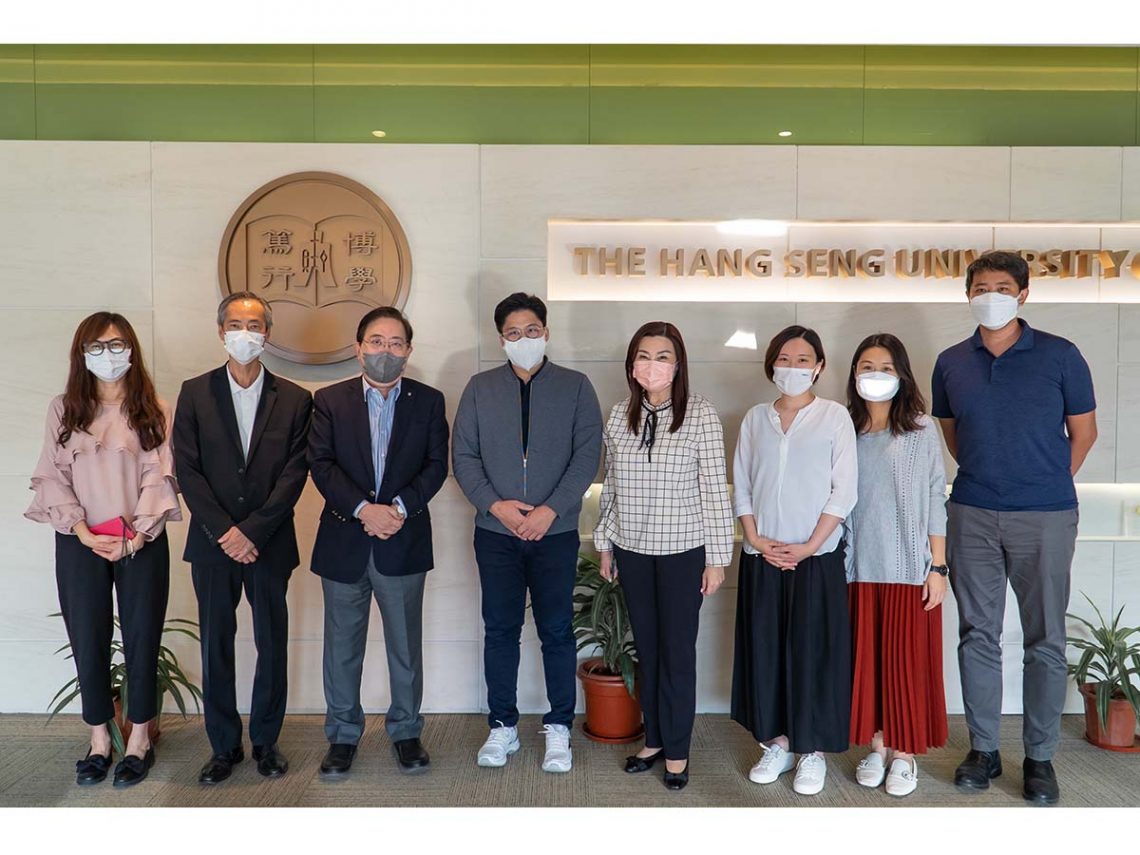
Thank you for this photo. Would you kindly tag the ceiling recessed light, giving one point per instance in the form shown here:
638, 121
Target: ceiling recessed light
380, 133
784, 134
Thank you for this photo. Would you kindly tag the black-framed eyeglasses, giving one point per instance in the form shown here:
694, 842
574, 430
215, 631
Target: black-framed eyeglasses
115, 345
533, 331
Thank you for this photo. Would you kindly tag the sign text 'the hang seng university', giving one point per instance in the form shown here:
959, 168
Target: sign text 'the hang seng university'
771, 261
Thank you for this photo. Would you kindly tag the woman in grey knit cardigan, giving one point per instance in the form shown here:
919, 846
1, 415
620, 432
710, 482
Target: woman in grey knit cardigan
896, 567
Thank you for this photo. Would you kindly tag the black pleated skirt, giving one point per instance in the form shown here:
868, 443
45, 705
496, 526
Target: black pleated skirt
792, 671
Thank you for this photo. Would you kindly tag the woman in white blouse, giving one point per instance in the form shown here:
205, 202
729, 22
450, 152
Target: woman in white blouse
796, 481
666, 526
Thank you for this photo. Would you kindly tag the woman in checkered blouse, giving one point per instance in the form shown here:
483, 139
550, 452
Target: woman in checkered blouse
666, 525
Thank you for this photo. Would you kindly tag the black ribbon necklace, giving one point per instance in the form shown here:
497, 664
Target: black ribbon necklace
649, 429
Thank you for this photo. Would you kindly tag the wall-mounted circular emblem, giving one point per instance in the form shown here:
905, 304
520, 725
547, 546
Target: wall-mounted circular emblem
322, 249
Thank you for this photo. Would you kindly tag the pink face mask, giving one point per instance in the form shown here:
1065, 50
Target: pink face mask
654, 376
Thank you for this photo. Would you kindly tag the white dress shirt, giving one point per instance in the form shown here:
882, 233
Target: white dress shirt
245, 404
788, 480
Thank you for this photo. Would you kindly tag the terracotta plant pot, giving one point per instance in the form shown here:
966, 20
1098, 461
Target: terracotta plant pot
611, 714
125, 726
1121, 729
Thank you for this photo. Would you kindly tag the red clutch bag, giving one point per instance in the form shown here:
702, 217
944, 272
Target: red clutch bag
117, 527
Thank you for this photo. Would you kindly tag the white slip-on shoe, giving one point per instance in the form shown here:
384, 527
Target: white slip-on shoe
775, 762
871, 770
903, 778
558, 757
500, 744
811, 774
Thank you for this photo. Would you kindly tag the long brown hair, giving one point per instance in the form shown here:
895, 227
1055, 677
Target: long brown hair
81, 397
680, 379
906, 406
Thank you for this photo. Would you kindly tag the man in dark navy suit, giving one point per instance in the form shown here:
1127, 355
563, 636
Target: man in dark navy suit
240, 436
378, 453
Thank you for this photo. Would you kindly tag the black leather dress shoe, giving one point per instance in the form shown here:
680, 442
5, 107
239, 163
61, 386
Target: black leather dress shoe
92, 769
410, 754
219, 767
977, 770
133, 770
677, 780
338, 760
271, 763
1040, 785
635, 764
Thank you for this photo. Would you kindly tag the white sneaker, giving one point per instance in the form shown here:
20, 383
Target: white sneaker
558, 757
501, 742
775, 762
811, 773
903, 778
871, 770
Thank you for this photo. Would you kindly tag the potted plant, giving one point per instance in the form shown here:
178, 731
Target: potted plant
171, 680
1104, 675
601, 622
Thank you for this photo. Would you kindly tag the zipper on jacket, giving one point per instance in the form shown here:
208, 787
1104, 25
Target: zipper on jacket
526, 448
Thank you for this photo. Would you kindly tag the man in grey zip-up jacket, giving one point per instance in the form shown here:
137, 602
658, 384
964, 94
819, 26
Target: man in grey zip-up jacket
527, 440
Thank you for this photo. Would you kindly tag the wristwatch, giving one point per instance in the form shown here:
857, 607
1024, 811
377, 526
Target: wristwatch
400, 509
940, 569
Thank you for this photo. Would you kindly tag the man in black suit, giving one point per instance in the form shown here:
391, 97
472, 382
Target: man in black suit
240, 437
378, 453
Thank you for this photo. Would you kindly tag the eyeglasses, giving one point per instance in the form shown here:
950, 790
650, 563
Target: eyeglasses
397, 345
96, 348
533, 331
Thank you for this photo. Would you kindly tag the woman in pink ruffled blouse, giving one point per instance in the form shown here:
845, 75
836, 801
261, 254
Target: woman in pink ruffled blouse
107, 465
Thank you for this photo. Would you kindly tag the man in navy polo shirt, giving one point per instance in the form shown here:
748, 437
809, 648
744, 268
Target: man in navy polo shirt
1018, 414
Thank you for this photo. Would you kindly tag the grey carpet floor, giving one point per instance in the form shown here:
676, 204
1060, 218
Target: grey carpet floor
39, 762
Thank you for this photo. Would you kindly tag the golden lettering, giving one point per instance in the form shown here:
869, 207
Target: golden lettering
702, 264
841, 263
907, 263
870, 263
817, 262
635, 261
794, 263
759, 263
614, 262
674, 265
582, 254
727, 262
1111, 262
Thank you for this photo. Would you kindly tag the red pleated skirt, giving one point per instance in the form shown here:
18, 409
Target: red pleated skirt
897, 662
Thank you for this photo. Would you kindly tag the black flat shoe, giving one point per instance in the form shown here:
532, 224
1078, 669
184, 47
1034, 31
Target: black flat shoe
271, 763
338, 760
410, 754
92, 769
133, 770
677, 780
977, 770
220, 766
1040, 785
636, 764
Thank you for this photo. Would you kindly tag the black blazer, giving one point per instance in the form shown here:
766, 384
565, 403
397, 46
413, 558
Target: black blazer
340, 457
222, 487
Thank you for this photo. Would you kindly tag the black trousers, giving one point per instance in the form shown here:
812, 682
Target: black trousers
219, 588
663, 593
791, 675
142, 585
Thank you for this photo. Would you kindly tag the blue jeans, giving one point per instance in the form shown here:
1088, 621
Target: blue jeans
508, 567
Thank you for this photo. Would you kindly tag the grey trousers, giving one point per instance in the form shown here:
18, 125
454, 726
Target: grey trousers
1034, 551
347, 608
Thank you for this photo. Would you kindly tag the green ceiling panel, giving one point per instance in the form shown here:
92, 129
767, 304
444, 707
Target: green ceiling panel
17, 93
579, 94
726, 94
1001, 96
452, 94
175, 92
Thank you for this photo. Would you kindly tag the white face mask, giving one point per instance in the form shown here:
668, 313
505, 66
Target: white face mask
794, 381
876, 386
526, 353
244, 346
993, 311
108, 366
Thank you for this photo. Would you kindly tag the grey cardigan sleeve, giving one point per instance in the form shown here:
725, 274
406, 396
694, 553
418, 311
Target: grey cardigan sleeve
466, 456
587, 441
936, 469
